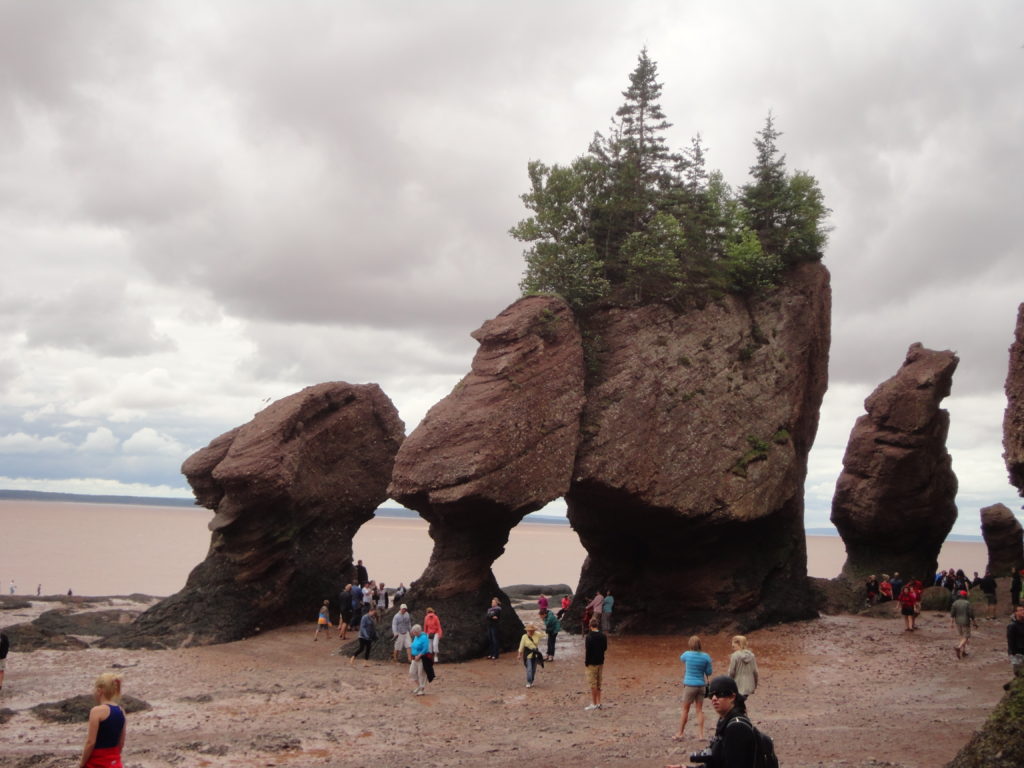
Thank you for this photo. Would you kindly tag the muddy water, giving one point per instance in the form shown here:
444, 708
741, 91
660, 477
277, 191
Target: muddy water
107, 549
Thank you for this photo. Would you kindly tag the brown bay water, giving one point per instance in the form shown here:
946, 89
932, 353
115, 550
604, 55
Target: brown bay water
115, 549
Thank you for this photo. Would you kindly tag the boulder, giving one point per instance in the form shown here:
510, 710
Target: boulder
288, 490
1000, 742
1004, 539
500, 446
687, 491
1013, 417
895, 498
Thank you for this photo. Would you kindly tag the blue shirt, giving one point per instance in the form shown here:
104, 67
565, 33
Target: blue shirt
698, 664
420, 645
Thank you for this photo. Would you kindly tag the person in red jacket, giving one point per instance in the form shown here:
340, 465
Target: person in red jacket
908, 599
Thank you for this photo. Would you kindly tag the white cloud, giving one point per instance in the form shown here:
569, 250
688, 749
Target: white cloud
147, 441
100, 440
19, 442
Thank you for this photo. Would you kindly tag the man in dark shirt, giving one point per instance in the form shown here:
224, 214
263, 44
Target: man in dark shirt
595, 644
1015, 640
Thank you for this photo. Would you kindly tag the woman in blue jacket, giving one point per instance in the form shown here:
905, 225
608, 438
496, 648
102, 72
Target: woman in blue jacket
698, 673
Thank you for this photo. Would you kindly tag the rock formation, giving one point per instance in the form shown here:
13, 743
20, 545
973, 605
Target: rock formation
1013, 417
288, 490
688, 487
499, 446
1004, 539
894, 501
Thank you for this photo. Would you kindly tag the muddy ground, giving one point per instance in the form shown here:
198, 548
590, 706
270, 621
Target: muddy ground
837, 691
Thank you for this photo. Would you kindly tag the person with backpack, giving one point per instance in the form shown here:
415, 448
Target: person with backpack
736, 743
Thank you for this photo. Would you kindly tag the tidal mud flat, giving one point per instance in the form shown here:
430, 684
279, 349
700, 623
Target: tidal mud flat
836, 691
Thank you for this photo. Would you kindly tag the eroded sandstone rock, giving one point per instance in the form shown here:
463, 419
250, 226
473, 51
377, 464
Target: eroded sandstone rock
1013, 417
688, 486
288, 490
1004, 539
499, 446
895, 498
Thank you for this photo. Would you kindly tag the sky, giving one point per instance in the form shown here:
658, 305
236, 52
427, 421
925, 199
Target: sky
208, 206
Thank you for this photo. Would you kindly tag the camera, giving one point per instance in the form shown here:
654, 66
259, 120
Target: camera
702, 758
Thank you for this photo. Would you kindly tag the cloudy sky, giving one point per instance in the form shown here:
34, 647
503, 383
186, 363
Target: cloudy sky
205, 205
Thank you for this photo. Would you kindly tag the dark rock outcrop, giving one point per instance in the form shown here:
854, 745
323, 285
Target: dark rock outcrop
289, 490
1004, 539
688, 487
895, 499
500, 446
1013, 417
76, 709
1000, 743
29, 637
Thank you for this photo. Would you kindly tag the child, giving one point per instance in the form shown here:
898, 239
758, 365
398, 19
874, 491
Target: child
107, 726
323, 620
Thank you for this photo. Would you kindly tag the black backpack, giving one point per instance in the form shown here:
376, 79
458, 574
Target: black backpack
5, 645
764, 747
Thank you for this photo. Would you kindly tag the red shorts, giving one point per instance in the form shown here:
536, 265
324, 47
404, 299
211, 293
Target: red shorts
108, 757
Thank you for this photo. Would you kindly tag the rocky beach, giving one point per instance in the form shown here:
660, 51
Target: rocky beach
837, 691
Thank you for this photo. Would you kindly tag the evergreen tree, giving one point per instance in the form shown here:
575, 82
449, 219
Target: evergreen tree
638, 164
765, 198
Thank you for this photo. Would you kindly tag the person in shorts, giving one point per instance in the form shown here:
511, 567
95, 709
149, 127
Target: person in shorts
698, 674
961, 616
401, 626
988, 588
595, 644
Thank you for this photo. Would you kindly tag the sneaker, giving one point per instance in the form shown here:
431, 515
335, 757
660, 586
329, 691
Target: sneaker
529, 685
590, 707
420, 692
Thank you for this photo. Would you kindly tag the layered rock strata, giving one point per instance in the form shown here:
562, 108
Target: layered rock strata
1004, 539
687, 491
288, 490
1013, 417
895, 498
499, 446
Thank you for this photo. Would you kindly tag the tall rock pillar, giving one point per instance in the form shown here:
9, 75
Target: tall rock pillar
894, 503
688, 487
500, 446
289, 490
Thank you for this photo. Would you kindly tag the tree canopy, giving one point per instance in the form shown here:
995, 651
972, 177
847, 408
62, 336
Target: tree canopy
635, 222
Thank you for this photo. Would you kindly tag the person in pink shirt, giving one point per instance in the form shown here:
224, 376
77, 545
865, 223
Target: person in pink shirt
432, 626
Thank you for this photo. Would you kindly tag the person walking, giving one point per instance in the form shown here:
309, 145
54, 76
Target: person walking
104, 739
401, 626
697, 665
432, 627
494, 629
529, 652
961, 616
595, 645
1014, 586
419, 650
323, 620
552, 626
367, 634
743, 666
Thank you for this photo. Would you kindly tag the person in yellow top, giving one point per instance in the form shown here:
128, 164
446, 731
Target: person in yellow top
530, 653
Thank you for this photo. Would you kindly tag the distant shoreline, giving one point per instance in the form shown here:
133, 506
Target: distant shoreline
399, 512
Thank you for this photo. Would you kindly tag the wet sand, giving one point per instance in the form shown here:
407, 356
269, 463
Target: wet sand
836, 692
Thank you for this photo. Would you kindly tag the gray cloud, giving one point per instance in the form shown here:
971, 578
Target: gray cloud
205, 207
